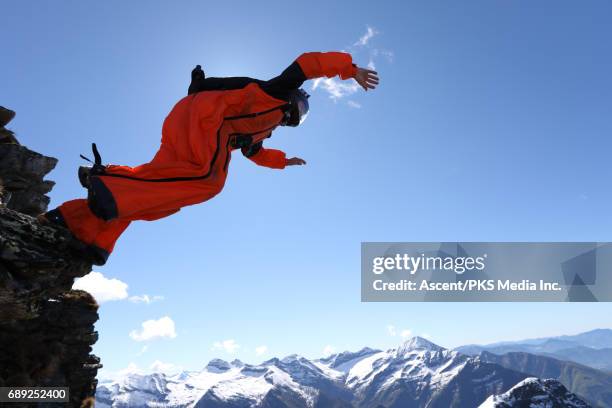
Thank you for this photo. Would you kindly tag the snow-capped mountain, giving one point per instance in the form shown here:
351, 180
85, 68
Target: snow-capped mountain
536, 393
418, 373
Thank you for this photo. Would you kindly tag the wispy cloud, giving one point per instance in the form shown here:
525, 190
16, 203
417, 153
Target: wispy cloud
328, 350
166, 368
335, 88
361, 50
389, 55
393, 331
261, 350
406, 333
142, 350
133, 368
363, 40
229, 346
145, 299
155, 329
102, 288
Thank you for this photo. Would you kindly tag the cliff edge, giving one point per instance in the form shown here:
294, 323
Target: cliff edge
46, 328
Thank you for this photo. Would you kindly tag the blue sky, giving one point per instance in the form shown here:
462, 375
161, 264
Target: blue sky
491, 123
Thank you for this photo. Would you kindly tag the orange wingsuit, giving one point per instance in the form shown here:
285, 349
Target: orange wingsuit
218, 116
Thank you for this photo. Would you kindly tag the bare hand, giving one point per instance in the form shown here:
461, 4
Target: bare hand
295, 161
367, 78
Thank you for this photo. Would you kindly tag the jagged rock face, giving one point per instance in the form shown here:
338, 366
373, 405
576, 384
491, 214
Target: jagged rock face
6, 136
46, 329
36, 263
534, 392
54, 348
22, 172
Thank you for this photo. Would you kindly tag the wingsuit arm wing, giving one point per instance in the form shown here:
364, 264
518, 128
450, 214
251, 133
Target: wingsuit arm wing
272, 158
311, 65
218, 84
328, 64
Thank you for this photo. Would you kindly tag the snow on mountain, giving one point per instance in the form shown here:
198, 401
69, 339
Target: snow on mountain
253, 383
417, 360
183, 389
535, 393
418, 373
218, 366
132, 390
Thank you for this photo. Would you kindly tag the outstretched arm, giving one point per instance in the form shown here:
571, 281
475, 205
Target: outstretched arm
311, 65
272, 158
328, 64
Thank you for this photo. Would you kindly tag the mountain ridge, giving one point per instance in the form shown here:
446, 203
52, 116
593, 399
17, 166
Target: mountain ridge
417, 373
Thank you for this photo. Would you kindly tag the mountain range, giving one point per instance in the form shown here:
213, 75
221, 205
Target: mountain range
418, 374
593, 348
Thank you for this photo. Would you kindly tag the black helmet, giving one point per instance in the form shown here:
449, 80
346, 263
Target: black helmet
298, 108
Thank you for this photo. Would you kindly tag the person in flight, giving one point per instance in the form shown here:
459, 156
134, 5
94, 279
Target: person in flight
218, 116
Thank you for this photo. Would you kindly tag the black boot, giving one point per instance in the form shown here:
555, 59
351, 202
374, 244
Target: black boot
53, 217
197, 80
197, 73
89, 252
85, 172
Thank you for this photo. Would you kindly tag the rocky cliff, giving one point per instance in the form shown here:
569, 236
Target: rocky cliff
46, 329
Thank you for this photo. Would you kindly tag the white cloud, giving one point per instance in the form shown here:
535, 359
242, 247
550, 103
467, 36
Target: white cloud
132, 368
143, 350
335, 88
166, 368
145, 299
353, 104
393, 331
363, 40
229, 346
261, 350
328, 350
105, 289
406, 333
102, 288
153, 329
389, 55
